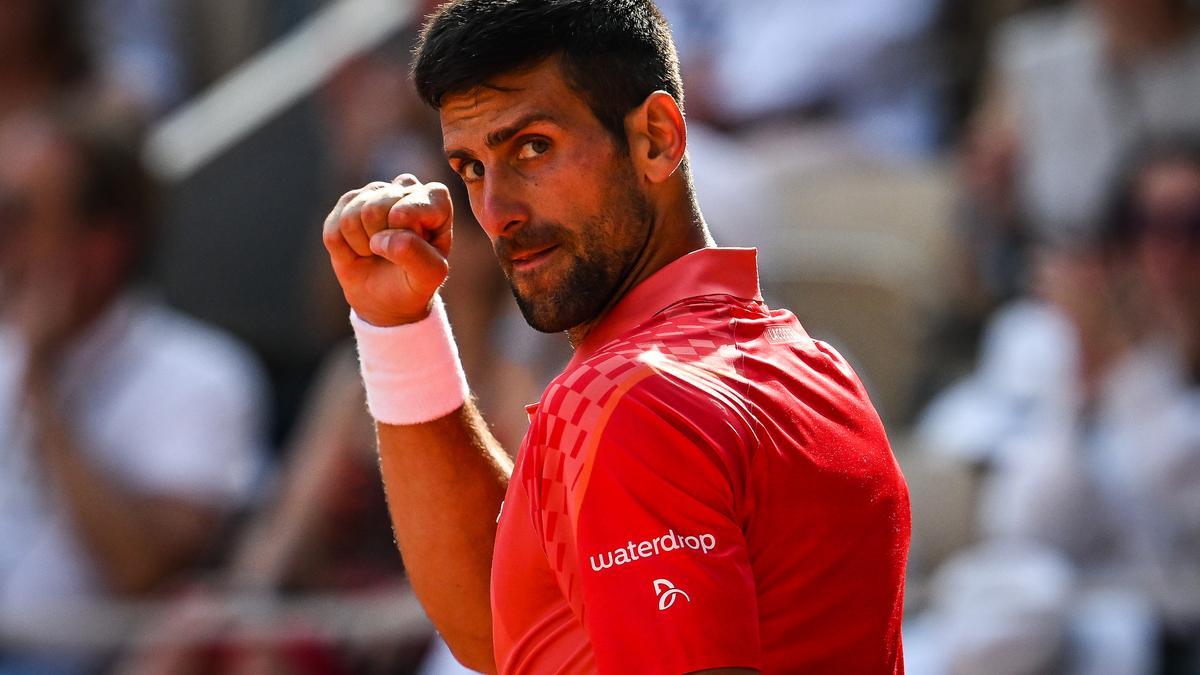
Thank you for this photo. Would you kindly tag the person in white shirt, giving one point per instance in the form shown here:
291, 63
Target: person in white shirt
128, 432
1087, 413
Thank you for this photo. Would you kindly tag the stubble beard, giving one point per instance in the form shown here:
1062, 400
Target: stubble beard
602, 254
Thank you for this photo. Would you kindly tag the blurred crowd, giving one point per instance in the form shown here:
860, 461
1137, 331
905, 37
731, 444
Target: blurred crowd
992, 208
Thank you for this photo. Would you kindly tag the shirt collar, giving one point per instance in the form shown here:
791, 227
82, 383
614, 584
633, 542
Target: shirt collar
707, 271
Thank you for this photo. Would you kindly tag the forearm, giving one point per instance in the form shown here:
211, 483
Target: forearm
332, 430
445, 481
289, 529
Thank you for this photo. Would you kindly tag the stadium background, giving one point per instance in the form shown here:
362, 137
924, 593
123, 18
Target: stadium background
930, 188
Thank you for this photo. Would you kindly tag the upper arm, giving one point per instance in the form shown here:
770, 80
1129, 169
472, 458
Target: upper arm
663, 570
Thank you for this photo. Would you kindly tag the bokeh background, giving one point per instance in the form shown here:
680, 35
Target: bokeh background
991, 207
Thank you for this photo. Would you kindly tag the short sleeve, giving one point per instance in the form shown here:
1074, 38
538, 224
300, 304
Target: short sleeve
664, 574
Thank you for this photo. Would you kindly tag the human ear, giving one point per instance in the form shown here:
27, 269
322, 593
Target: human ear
657, 136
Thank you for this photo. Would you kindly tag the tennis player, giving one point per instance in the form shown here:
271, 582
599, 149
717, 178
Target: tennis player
705, 488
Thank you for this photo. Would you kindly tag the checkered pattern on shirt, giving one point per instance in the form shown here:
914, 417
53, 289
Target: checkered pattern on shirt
577, 402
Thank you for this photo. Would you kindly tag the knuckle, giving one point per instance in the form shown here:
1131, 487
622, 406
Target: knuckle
350, 210
403, 210
330, 237
340, 207
345, 199
349, 223
375, 210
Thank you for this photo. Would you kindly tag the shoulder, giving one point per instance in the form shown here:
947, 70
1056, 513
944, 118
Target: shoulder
671, 369
643, 410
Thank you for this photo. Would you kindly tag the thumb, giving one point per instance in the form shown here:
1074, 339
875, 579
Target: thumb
423, 265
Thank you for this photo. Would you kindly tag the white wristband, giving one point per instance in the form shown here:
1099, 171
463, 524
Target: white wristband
411, 373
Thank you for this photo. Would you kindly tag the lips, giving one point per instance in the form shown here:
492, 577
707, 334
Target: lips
527, 260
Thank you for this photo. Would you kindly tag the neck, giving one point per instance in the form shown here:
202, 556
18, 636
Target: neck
672, 234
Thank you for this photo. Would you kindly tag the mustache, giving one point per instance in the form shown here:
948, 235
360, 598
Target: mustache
529, 237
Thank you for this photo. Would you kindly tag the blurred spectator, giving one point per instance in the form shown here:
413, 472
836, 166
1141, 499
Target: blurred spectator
42, 53
118, 55
323, 533
138, 59
1086, 409
966, 31
1159, 213
1072, 90
862, 62
129, 432
327, 525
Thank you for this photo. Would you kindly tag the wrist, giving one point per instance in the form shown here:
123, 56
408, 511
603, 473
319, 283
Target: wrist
411, 372
393, 320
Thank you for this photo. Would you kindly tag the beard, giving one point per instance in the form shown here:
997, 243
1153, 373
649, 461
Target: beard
597, 258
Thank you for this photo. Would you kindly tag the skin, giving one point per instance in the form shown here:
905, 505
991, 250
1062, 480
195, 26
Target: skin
543, 176
56, 277
1169, 194
1137, 27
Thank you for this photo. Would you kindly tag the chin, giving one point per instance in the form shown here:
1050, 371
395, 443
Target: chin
543, 318
568, 296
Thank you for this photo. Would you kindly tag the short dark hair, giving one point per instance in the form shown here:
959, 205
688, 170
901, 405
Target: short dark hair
62, 41
114, 190
614, 52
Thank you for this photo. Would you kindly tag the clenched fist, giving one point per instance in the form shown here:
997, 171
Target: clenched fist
389, 244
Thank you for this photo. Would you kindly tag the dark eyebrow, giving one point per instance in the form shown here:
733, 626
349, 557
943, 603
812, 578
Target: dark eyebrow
459, 154
501, 135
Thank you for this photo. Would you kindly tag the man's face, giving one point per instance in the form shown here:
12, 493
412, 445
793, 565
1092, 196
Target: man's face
557, 196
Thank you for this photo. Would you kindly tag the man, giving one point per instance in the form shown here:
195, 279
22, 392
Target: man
704, 488
127, 431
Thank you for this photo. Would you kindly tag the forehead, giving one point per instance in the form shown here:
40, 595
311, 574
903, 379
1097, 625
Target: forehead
468, 117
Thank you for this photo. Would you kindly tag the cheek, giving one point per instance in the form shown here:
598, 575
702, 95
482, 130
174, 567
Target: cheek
473, 203
587, 169
565, 192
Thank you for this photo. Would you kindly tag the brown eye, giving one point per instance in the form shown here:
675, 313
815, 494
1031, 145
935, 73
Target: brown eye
533, 148
471, 170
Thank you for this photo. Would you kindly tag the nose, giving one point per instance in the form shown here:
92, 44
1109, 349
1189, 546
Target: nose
500, 206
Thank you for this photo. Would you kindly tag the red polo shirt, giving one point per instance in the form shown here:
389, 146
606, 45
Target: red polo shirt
704, 486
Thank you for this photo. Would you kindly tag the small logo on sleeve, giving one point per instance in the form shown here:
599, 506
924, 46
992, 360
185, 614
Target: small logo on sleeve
778, 335
667, 594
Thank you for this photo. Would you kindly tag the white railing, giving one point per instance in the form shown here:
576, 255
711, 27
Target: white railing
270, 82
